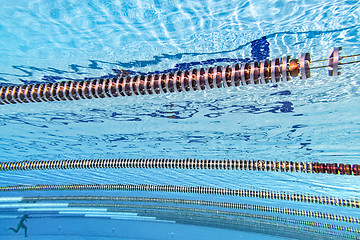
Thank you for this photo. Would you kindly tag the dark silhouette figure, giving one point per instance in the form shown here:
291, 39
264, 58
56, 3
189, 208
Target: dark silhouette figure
21, 225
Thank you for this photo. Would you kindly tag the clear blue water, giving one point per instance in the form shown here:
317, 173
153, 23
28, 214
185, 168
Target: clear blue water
313, 120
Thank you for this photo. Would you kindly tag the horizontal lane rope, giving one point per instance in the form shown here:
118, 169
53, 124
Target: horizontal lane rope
265, 194
249, 165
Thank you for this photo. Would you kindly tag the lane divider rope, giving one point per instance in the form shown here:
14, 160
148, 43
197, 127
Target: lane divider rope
250, 165
265, 194
260, 72
257, 72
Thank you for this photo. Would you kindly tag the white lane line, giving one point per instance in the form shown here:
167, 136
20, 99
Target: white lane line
64, 209
25, 205
11, 199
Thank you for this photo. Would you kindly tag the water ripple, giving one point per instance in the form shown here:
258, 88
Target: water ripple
49, 37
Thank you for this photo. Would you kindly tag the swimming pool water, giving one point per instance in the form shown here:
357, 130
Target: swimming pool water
302, 120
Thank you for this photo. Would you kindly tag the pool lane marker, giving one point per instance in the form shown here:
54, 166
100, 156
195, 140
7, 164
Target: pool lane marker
265, 194
245, 165
256, 72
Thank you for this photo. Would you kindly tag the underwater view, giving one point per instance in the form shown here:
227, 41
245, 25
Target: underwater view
180, 119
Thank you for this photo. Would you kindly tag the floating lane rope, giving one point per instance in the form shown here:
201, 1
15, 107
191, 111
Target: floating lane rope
258, 72
265, 194
181, 81
250, 165
241, 206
